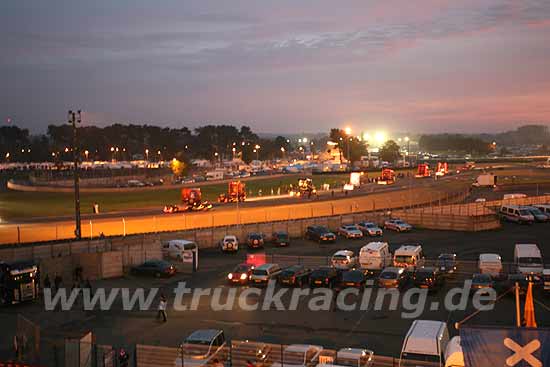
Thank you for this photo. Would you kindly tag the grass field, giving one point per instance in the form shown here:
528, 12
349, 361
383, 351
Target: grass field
15, 204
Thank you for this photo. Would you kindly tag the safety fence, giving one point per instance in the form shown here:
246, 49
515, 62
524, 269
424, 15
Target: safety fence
414, 197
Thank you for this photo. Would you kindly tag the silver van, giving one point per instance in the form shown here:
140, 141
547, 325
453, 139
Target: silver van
262, 274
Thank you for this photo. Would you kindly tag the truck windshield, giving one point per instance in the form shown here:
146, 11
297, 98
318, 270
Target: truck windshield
535, 261
404, 259
419, 358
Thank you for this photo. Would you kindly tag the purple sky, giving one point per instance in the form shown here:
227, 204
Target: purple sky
280, 66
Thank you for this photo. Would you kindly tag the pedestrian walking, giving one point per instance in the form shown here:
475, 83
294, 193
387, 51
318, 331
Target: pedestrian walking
162, 308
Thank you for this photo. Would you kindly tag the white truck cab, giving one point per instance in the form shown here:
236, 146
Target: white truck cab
528, 259
426, 341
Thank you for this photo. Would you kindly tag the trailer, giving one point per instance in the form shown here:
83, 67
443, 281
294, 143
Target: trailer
485, 180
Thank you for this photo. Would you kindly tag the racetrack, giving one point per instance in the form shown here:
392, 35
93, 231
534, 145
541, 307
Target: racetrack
422, 192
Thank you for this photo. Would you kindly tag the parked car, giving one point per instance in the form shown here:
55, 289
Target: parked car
240, 274
515, 213
157, 268
428, 278
392, 277
446, 263
537, 214
229, 243
350, 231
490, 264
324, 277
370, 229
343, 260
262, 274
255, 240
256, 352
281, 238
353, 278
295, 275
202, 347
397, 225
482, 281
319, 234
178, 249
348, 357
299, 355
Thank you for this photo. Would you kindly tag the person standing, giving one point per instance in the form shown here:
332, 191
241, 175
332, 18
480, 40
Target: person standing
162, 309
47, 282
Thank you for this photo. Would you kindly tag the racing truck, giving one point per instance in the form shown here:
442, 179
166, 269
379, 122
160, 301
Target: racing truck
306, 188
442, 169
235, 193
191, 199
387, 177
423, 171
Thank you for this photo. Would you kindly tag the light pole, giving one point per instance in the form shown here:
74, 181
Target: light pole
74, 118
347, 130
408, 141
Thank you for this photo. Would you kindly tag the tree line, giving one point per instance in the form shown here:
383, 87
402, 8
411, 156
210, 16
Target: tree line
127, 142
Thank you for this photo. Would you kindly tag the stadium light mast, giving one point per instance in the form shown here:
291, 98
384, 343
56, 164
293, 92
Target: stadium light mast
75, 118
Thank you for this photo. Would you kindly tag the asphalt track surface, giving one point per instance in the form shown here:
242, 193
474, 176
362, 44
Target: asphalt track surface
406, 192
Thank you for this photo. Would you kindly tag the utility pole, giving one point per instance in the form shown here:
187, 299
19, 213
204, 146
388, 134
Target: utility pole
74, 118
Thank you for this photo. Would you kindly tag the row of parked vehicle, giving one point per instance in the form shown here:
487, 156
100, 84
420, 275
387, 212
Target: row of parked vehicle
425, 341
321, 234
525, 214
203, 347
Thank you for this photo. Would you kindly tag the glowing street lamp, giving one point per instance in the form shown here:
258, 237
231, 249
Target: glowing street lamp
86, 152
347, 130
147, 155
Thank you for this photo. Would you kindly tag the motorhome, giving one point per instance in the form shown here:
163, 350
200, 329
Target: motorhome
374, 256
426, 341
528, 259
215, 175
409, 257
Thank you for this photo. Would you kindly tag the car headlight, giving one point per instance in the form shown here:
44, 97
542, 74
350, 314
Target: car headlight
243, 276
230, 276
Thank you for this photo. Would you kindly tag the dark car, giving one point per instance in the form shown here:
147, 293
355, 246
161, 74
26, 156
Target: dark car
510, 282
320, 234
537, 214
255, 240
353, 278
392, 277
324, 277
446, 263
281, 238
295, 275
482, 281
157, 268
240, 274
429, 278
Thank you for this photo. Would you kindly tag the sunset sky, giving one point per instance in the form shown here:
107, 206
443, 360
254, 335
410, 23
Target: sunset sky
282, 66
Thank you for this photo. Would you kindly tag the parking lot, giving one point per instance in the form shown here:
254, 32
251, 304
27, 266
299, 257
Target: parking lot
380, 330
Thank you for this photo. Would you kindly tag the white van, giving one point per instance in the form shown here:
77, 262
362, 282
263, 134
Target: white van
528, 259
215, 175
375, 256
179, 249
490, 264
515, 213
426, 341
409, 257
454, 357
